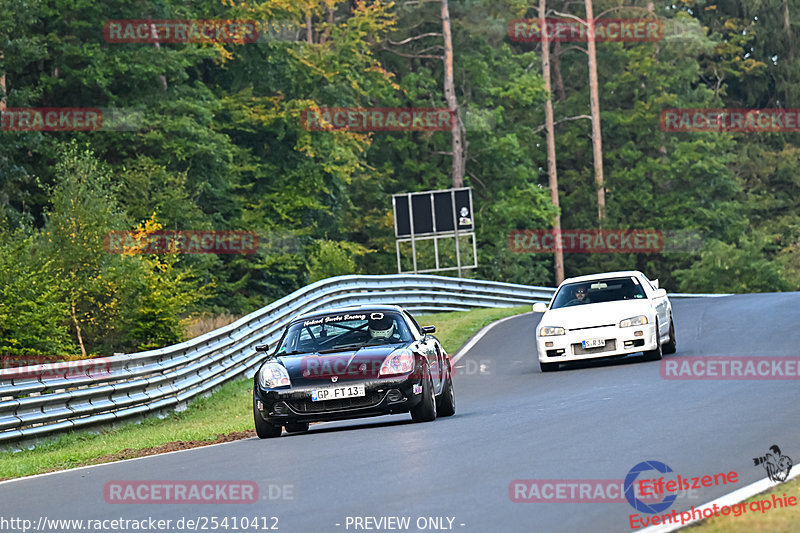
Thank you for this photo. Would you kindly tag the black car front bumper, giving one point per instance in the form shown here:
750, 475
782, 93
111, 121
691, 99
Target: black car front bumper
383, 396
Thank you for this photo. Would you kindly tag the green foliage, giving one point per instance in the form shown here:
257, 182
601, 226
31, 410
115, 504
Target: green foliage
738, 268
334, 259
33, 312
160, 296
219, 144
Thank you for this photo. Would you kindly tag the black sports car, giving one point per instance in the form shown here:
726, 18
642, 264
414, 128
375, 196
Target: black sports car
349, 363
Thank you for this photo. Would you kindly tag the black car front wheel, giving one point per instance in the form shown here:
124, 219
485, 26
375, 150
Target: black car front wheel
425, 411
264, 429
447, 401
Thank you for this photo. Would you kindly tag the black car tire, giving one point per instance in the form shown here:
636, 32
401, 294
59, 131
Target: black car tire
671, 346
425, 411
447, 400
548, 367
657, 354
297, 427
264, 429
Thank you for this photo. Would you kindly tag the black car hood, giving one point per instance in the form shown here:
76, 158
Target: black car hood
315, 368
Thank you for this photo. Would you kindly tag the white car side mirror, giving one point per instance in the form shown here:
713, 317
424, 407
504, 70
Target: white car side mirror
654, 283
660, 293
539, 307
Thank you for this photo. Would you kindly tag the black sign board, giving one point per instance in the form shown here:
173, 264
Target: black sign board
434, 212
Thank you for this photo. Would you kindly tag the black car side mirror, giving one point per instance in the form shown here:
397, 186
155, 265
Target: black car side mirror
428, 329
262, 347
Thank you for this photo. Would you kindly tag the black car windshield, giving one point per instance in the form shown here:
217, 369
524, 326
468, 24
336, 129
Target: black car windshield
344, 331
597, 291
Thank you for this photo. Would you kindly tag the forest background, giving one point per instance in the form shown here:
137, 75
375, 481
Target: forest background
211, 138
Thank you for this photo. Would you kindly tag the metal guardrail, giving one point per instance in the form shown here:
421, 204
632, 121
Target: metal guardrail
40, 400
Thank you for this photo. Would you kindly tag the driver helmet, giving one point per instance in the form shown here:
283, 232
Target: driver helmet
380, 326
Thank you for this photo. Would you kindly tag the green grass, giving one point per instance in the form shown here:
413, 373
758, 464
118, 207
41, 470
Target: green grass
454, 329
782, 520
228, 410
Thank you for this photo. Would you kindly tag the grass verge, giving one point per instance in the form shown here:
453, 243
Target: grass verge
224, 416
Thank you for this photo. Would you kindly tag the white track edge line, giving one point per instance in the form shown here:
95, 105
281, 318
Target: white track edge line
729, 499
477, 337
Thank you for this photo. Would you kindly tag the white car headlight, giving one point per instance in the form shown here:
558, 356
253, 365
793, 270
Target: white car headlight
549, 331
273, 375
399, 362
640, 320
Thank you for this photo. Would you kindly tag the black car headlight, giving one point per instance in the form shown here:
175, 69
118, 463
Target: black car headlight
273, 375
399, 362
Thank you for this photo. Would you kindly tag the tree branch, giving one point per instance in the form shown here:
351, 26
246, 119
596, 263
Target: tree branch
405, 41
415, 56
570, 16
619, 8
565, 119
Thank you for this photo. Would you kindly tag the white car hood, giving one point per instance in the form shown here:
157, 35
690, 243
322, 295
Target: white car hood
599, 314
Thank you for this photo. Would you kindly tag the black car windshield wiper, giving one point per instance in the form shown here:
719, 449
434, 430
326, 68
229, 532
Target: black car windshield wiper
359, 346
345, 347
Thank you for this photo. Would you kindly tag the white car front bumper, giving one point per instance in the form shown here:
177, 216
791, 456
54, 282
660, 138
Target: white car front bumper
618, 341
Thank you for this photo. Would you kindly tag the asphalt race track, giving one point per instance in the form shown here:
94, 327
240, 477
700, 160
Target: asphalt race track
589, 421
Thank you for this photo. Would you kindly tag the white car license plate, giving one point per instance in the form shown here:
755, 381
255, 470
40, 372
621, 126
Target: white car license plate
594, 343
337, 393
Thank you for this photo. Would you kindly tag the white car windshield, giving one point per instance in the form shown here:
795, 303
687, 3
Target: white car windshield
597, 291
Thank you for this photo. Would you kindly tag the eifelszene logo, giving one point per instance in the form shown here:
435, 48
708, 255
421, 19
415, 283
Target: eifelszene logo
637, 503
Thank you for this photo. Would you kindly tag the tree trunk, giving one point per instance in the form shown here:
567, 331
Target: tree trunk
552, 172
787, 27
78, 329
597, 141
327, 32
2, 87
452, 101
154, 35
309, 30
562, 95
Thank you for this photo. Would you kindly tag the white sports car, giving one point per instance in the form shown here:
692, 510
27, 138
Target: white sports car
605, 315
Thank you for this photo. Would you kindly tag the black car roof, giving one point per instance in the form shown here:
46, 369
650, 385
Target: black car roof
339, 310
